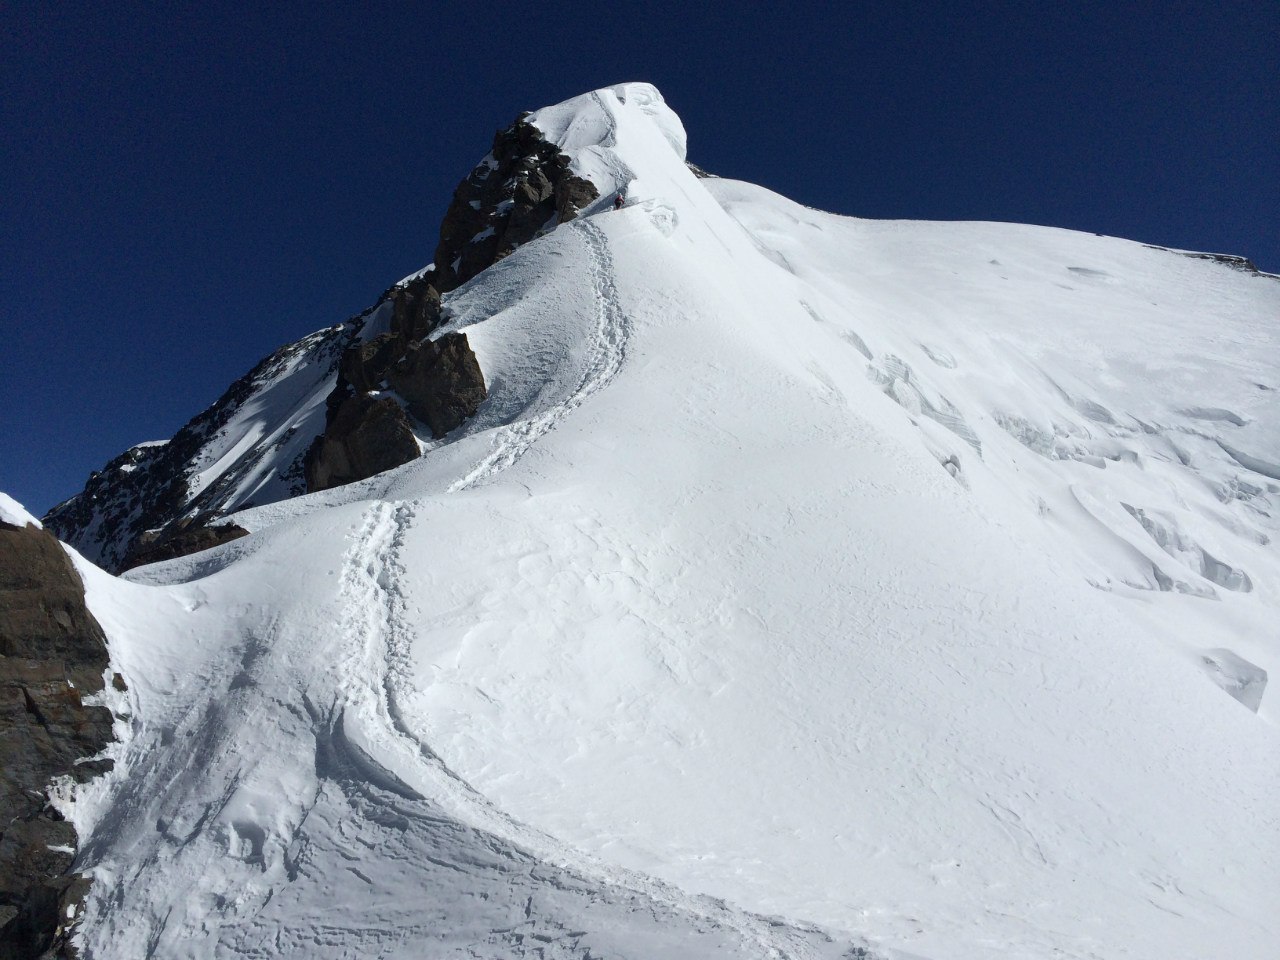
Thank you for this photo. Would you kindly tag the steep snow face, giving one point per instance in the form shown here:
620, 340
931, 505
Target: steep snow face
913, 583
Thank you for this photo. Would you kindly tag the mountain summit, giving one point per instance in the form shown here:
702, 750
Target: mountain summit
773, 584
388, 386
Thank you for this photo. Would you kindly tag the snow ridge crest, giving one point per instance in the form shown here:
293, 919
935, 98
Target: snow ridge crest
596, 119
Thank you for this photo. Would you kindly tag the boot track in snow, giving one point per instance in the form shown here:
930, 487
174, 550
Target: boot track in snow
607, 352
559, 881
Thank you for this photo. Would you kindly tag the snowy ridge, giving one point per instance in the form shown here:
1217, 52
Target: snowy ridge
246, 448
912, 583
14, 513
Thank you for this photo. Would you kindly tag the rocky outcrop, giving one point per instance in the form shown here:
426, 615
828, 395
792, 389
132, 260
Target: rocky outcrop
415, 307
364, 437
520, 190
440, 381
1243, 264
365, 365
369, 431
185, 538
52, 656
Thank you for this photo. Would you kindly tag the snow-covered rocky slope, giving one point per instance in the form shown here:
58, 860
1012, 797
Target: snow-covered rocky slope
807, 586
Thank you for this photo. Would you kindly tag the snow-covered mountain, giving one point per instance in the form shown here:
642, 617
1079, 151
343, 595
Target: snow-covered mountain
805, 586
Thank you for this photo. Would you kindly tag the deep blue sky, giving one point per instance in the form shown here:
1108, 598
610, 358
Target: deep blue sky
183, 192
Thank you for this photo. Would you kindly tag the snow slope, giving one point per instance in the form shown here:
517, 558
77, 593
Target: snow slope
807, 586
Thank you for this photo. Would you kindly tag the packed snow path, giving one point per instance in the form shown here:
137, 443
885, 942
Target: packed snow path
373, 575
606, 352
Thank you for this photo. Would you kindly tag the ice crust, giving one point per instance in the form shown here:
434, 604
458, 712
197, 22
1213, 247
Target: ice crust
807, 585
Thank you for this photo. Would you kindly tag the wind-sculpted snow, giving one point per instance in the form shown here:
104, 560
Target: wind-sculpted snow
913, 584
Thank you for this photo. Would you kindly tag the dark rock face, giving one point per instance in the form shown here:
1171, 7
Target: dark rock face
180, 541
366, 435
440, 381
1243, 264
416, 309
365, 365
572, 194
521, 189
52, 654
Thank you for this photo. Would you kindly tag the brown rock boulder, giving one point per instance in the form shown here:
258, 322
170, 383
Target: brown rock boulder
440, 381
365, 435
572, 194
364, 364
